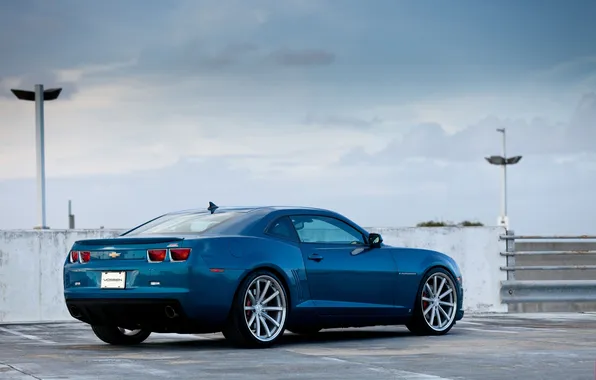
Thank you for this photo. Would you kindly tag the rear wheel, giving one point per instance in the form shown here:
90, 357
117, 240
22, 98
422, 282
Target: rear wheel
119, 336
436, 304
259, 312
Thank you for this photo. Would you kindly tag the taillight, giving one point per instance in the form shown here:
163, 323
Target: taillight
74, 256
85, 257
157, 255
179, 254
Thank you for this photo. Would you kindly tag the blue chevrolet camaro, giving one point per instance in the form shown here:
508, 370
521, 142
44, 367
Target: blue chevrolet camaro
252, 273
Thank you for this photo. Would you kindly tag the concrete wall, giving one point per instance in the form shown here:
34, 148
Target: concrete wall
31, 261
31, 287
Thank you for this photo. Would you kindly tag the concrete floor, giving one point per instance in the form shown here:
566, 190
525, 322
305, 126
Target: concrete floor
547, 346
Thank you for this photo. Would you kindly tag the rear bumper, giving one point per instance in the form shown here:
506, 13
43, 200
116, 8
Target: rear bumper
154, 314
200, 298
124, 312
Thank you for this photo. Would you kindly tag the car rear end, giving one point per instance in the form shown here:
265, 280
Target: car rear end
131, 281
161, 276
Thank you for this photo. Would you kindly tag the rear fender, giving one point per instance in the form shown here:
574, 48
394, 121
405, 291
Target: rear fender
235, 257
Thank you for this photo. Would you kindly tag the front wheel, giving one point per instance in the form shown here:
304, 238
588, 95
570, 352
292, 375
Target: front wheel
258, 315
120, 337
436, 304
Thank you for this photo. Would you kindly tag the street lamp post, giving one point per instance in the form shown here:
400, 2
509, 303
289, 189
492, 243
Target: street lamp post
39, 96
503, 161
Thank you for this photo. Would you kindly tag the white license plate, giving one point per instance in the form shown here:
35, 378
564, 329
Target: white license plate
113, 280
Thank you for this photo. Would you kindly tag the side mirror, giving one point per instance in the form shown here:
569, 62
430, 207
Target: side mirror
374, 240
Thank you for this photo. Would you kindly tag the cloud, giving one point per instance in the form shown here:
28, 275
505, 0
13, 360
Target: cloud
350, 106
195, 59
311, 57
534, 137
342, 121
407, 192
84, 135
192, 58
567, 72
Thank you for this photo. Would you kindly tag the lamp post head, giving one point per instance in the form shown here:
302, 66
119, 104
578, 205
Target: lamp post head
24, 94
496, 160
49, 94
500, 160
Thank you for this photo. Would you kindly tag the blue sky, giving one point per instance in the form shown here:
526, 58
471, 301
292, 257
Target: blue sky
381, 110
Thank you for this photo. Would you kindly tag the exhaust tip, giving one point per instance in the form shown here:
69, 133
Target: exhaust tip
170, 312
74, 311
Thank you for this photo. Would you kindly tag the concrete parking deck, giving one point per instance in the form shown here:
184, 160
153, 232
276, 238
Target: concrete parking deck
488, 347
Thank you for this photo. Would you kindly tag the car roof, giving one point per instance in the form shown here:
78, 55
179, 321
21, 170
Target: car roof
253, 219
252, 208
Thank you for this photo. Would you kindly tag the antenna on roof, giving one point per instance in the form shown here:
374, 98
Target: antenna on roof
212, 207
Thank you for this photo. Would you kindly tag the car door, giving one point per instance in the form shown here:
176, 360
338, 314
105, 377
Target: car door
345, 276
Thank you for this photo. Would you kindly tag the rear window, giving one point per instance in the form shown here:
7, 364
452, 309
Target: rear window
187, 223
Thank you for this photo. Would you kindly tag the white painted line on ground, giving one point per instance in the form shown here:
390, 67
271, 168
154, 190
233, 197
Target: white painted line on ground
551, 316
23, 323
173, 336
27, 336
403, 375
334, 359
186, 336
508, 327
470, 323
209, 337
545, 329
487, 330
13, 374
527, 317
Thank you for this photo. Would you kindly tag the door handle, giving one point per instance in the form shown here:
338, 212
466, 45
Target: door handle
315, 257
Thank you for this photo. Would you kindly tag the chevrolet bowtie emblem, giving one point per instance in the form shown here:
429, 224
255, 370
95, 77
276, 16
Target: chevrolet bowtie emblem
114, 255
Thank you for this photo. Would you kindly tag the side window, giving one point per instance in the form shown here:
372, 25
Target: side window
283, 228
322, 229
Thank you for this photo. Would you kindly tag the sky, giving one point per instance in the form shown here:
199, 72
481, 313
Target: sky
382, 111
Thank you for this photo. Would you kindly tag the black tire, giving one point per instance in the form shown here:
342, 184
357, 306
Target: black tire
419, 325
237, 329
113, 335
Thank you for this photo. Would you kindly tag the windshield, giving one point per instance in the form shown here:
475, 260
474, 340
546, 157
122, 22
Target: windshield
186, 223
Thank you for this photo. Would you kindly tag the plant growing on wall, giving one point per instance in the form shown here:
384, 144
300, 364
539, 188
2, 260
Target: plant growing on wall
467, 223
433, 223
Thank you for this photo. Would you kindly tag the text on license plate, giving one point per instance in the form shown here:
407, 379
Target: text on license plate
113, 280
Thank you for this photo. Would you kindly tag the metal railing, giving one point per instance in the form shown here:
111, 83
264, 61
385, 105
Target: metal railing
546, 290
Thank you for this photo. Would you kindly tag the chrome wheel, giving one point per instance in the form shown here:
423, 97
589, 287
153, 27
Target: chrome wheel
265, 308
129, 332
439, 301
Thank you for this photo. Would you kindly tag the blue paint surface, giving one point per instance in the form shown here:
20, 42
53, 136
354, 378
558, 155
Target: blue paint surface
342, 281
